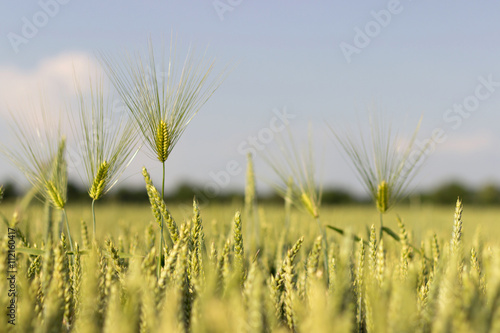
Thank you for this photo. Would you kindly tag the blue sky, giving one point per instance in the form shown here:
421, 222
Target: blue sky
419, 58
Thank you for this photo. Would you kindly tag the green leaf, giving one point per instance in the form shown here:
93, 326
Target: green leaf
391, 233
342, 232
27, 250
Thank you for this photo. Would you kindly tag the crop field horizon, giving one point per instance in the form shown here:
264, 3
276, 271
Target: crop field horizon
421, 220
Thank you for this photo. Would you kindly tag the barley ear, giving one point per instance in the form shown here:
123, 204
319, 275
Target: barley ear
289, 295
55, 196
456, 239
250, 188
238, 247
383, 197
151, 195
309, 205
162, 141
100, 180
372, 254
85, 235
405, 249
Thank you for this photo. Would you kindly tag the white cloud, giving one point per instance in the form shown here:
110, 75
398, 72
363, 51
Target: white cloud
464, 144
52, 79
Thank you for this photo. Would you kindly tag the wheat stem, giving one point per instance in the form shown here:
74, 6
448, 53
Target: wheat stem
67, 228
93, 220
160, 250
381, 234
325, 246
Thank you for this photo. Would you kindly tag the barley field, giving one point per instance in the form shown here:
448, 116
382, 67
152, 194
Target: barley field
244, 267
443, 275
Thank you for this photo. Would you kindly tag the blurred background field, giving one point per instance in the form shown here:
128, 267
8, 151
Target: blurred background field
421, 220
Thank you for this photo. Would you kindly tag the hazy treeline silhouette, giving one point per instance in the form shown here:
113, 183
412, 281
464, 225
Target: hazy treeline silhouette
444, 194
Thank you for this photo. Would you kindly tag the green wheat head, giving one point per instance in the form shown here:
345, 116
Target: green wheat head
162, 141
297, 173
106, 140
99, 183
383, 196
384, 165
162, 100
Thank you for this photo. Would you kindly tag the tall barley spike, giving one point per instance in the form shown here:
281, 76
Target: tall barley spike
54, 194
48, 220
105, 139
436, 253
254, 299
183, 289
476, 270
198, 233
384, 166
34, 268
162, 105
359, 286
239, 254
54, 304
85, 235
372, 250
161, 215
250, 192
288, 295
150, 237
278, 281
250, 211
159, 208
162, 141
456, 239
380, 273
171, 260
76, 279
100, 181
405, 249
382, 199
151, 194
226, 265
197, 267
313, 258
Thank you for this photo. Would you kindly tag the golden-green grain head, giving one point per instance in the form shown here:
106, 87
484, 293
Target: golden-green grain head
383, 196
54, 194
147, 177
100, 180
162, 141
456, 239
250, 185
309, 205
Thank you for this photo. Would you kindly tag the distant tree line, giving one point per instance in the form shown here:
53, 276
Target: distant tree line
445, 194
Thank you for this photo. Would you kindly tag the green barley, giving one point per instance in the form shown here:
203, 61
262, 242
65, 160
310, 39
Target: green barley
383, 166
162, 107
359, 286
106, 142
239, 254
250, 211
405, 249
372, 250
456, 239
160, 209
85, 235
288, 295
